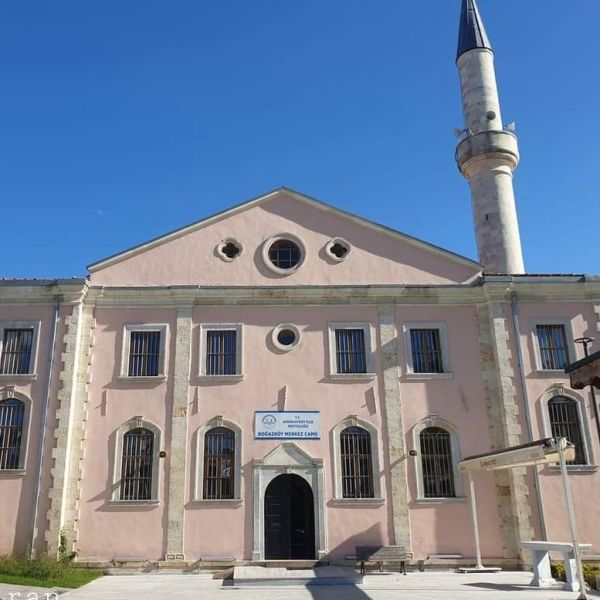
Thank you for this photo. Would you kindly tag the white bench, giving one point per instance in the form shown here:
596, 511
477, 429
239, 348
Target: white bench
540, 553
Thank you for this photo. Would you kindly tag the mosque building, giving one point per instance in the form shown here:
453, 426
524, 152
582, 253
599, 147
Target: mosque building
286, 380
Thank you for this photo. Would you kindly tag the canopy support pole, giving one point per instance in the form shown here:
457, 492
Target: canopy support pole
561, 444
475, 521
479, 567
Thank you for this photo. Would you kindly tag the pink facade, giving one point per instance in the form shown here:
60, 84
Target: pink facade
467, 391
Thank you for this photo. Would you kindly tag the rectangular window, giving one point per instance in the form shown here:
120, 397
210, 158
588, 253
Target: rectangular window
350, 351
144, 354
221, 352
554, 354
426, 351
17, 347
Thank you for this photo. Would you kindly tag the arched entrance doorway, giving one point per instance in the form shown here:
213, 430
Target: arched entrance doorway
289, 519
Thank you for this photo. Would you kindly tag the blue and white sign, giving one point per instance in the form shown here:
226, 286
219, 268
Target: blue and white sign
287, 425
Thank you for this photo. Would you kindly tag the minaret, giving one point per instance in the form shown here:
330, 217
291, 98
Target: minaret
489, 153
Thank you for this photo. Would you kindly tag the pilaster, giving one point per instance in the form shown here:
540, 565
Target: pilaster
179, 427
69, 433
388, 336
512, 491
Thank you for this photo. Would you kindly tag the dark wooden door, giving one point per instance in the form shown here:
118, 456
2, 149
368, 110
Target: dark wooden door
289, 519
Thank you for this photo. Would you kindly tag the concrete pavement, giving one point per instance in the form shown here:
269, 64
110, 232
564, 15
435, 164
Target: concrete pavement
415, 586
20, 592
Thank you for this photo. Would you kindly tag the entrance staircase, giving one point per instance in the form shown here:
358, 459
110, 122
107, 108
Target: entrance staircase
294, 575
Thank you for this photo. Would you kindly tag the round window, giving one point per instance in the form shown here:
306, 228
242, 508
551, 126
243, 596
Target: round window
285, 336
283, 254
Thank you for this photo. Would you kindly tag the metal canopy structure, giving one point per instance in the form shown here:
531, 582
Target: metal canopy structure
541, 452
535, 453
585, 372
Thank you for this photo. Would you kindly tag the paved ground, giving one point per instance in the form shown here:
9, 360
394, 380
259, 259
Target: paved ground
415, 586
6, 590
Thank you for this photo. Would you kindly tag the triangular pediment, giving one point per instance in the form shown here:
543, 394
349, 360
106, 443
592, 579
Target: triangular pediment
289, 454
376, 255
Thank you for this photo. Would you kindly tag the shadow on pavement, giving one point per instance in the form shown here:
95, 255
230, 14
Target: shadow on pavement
503, 587
329, 592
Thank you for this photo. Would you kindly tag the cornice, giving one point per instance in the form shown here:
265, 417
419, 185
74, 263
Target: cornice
483, 290
571, 289
283, 295
69, 291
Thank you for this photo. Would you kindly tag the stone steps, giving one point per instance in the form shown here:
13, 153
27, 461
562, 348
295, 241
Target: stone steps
281, 576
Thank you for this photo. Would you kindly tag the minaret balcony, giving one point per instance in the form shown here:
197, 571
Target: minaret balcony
500, 145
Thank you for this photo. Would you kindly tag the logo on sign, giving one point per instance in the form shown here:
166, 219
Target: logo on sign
269, 421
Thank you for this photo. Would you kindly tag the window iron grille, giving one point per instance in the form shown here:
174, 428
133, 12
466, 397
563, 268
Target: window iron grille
357, 463
144, 353
426, 351
436, 463
552, 341
16, 351
350, 351
12, 416
219, 464
564, 422
137, 465
284, 254
221, 354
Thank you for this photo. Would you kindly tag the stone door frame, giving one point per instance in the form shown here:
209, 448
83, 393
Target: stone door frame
288, 458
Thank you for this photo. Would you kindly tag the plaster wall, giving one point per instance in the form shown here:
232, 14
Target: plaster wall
444, 527
107, 530
301, 376
17, 490
581, 320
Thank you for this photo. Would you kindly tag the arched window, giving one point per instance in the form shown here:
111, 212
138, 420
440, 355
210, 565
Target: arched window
564, 422
219, 464
436, 463
137, 465
12, 419
357, 463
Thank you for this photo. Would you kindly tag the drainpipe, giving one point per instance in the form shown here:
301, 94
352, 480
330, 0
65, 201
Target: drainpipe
43, 419
536, 480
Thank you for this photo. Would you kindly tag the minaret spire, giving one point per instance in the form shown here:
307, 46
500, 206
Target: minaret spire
472, 32
489, 153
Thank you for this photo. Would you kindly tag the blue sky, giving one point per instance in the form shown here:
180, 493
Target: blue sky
121, 120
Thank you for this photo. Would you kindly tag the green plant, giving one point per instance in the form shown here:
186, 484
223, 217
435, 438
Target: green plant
64, 556
591, 570
44, 571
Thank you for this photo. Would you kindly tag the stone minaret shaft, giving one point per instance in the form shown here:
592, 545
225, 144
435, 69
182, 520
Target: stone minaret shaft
489, 154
